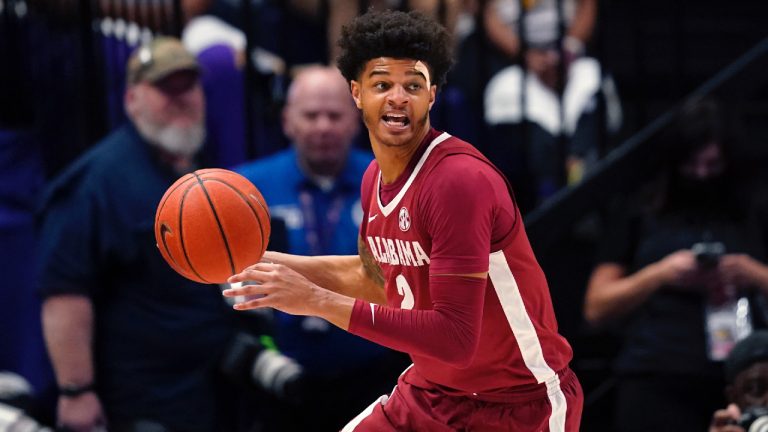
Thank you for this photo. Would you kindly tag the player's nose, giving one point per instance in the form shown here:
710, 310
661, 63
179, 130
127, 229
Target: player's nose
397, 96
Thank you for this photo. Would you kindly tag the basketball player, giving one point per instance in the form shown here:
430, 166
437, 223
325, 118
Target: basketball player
445, 271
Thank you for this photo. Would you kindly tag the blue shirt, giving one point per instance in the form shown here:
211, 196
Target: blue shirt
319, 222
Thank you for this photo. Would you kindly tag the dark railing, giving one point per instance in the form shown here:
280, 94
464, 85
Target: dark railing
629, 163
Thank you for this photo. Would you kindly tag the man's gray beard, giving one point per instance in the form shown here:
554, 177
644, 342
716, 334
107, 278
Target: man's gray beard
185, 142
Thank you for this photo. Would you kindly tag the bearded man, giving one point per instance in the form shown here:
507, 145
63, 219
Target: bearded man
133, 344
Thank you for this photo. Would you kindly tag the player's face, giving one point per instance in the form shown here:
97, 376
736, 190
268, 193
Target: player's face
170, 113
395, 96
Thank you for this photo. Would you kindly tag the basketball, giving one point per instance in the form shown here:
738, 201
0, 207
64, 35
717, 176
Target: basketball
211, 224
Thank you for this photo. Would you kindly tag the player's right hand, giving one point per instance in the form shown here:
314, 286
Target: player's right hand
82, 413
276, 286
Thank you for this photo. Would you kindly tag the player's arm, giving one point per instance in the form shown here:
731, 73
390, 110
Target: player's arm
448, 332
449, 329
356, 276
280, 285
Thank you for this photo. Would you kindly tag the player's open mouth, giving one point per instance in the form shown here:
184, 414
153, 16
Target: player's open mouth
396, 120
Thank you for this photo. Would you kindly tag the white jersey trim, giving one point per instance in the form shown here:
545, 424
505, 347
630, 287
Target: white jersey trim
389, 208
528, 341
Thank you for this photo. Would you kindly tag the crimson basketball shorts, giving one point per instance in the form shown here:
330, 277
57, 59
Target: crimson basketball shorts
551, 407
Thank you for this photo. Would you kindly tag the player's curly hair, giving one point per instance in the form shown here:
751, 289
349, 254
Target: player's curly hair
398, 35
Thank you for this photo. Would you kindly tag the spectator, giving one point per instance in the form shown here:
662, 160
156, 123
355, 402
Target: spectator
318, 197
132, 342
746, 375
556, 70
444, 272
681, 278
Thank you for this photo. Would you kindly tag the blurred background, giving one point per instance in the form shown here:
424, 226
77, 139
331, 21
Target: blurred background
62, 77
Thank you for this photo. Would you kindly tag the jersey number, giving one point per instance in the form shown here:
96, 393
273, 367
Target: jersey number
404, 290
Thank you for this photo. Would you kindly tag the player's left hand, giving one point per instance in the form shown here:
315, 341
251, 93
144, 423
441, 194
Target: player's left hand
276, 286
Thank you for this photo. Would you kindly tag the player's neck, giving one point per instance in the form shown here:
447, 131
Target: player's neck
393, 160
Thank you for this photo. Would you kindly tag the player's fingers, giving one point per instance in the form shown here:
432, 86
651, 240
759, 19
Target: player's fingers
252, 273
245, 290
252, 304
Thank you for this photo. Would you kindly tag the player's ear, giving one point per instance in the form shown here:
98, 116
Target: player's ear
354, 86
432, 95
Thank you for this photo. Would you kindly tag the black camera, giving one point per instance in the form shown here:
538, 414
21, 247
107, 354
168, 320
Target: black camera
708, 253
264, 366
755, 419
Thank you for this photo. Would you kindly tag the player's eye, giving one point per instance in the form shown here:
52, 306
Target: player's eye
414, 87
380, 85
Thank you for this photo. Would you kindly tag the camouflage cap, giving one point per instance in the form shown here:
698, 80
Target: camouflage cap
157, 59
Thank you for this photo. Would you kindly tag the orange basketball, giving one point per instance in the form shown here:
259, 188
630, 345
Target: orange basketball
211, 224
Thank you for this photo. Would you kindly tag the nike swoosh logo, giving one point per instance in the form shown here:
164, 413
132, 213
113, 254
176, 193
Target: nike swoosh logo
163, 231
370, 219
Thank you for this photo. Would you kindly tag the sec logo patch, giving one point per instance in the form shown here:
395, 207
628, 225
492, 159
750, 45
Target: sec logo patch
404, 219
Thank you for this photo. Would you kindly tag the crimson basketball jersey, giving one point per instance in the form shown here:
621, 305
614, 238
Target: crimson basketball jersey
455, 214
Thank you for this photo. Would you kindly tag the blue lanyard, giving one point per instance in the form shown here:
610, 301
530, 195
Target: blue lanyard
319, 233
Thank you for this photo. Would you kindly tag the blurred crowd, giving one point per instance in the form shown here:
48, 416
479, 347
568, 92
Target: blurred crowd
113, 100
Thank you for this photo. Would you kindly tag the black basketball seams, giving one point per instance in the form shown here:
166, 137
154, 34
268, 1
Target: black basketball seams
181, 232
218, 222
263, 205
265, 239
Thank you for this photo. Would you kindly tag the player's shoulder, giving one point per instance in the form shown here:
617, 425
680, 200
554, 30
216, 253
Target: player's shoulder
458, 169
371, 171
368, 182
454, 158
